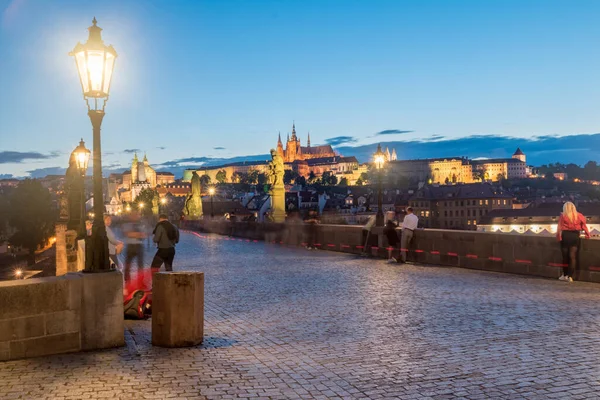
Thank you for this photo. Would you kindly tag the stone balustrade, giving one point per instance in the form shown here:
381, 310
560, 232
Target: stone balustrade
501, 252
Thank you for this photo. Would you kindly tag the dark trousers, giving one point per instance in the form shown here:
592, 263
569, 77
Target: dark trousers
165, 256
569, 247
133, 251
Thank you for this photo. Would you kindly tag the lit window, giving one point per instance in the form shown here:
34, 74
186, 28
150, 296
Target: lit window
486, 202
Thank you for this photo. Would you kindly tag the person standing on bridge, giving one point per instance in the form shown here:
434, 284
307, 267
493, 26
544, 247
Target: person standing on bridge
410, 223
570, 225
166, 236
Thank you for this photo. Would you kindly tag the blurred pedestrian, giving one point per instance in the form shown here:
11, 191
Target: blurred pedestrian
570, 225
311, 221
134, 238
114, 246
166, 236
392, 236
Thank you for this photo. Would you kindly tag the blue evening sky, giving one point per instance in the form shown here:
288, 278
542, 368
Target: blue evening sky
193, 76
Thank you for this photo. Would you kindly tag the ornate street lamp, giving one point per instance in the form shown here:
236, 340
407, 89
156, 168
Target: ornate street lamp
379, 160
95, 63
82, 158
211, 191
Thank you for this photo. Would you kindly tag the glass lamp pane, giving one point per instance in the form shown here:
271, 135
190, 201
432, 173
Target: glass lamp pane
108, 70
95, 64
81, 161
82, 69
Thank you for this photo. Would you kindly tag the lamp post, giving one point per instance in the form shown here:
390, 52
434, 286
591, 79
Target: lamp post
82, 157
95, 62
379, 160
211, 191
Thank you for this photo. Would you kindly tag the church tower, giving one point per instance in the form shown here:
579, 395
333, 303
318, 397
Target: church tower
292, 149
394, 155
308, 140
280, 147
134, 169
519, 155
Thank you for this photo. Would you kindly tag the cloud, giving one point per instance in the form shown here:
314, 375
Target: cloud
338, 140
161, 147
131, 151
17, 157
6, 176
219, 148
392, 132
577, 148
42, 172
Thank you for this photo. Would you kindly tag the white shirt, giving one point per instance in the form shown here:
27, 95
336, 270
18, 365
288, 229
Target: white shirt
410, 222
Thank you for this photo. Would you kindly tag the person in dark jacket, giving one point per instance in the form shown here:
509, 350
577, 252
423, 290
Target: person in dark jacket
392, 236
166, 236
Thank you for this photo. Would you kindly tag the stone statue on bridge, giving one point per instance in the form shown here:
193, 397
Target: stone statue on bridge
193, 203
277, 191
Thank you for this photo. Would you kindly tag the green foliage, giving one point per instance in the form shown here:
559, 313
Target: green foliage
312, 178
359, 182
300, 180
221, 176
289, 176
205, 180
328, 179
343, 182
146, 197
32, 215
590, 171
478, 176
365, 178
262, 179
4, 215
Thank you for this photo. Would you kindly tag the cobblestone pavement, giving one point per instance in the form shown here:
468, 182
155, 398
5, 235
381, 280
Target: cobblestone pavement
292, 324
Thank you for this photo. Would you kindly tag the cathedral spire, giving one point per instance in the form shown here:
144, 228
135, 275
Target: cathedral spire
279, 140
308, 140
145, 157
294, 130
135, 159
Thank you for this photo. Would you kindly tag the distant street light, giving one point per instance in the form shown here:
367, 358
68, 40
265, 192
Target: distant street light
82, 157
379, 160
95, 63
211, 192
141, 205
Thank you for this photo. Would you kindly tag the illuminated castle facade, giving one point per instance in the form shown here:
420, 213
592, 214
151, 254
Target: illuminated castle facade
294, 151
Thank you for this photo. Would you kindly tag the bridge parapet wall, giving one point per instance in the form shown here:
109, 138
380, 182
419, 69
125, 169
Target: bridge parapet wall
511, 253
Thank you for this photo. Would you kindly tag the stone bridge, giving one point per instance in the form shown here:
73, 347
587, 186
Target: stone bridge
286, 323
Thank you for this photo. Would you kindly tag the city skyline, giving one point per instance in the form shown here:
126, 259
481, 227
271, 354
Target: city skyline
477, 75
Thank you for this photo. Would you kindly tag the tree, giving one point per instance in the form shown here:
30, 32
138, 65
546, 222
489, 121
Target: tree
252, 177
300, 180
328, 178
359, 182
343, 182
205, 180
4, 215
146, 197
478, 176
364, 177
312, 178
32, 215
500, 177
289, 176
262, 179
221, 176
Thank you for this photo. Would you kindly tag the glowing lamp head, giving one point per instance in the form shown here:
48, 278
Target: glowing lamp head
163, 200
82, 157
211, 191
18, 273
128, 208
141, 205
379, 157
95, 63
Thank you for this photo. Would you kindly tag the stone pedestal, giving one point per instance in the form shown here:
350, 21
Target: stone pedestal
177, 309
278, 203
102, 324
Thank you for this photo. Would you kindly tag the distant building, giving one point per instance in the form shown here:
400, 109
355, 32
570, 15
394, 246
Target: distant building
461, 169
127, 186
294, 151
458, 206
